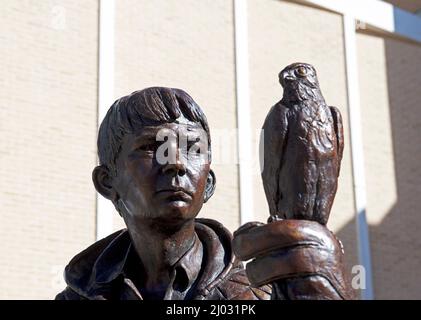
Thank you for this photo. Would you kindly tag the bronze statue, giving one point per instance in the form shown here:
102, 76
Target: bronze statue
303, 145
166, 253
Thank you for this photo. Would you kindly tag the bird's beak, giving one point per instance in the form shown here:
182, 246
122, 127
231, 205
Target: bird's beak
285, 77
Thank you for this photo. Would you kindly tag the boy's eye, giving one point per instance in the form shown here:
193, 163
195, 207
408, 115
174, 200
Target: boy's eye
193, 146
148, 147
192, 143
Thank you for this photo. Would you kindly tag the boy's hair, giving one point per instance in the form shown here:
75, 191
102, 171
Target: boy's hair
147, 107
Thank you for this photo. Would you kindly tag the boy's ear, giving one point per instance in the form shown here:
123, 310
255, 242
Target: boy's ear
102, 182
210, 185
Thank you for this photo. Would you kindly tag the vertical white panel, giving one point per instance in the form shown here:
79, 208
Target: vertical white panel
105, 209
357, 152
243, 111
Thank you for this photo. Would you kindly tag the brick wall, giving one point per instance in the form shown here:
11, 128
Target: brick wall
389, 80
47, 141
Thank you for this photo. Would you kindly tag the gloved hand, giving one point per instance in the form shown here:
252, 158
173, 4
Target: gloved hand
301, 259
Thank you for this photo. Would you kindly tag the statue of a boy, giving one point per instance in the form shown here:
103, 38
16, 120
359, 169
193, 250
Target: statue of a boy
165, 252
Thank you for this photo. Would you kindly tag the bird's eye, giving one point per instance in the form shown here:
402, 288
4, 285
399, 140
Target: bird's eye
301, 71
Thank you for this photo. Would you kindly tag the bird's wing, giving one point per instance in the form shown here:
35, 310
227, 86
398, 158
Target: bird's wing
339, 130
273, 136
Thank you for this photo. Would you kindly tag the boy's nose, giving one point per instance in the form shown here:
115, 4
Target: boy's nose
176, 167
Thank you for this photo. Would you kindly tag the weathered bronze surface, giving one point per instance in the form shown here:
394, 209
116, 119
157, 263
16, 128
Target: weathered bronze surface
166, 253
303, 146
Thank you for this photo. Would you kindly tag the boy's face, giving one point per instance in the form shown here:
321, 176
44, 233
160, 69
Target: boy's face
161, 174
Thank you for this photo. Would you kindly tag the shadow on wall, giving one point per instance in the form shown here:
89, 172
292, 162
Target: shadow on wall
396, 242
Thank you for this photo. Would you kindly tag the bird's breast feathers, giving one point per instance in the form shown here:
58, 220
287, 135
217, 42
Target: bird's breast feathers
313, 126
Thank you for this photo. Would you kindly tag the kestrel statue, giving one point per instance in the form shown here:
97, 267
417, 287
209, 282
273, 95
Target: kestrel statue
303, 145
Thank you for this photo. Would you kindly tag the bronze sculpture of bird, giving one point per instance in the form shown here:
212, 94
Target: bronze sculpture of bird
303, 146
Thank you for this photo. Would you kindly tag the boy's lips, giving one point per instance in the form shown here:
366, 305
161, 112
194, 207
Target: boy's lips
175, 194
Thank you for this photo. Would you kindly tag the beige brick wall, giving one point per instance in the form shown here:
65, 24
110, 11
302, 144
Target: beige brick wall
190, 45
282, 33
390, 81
47, 146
